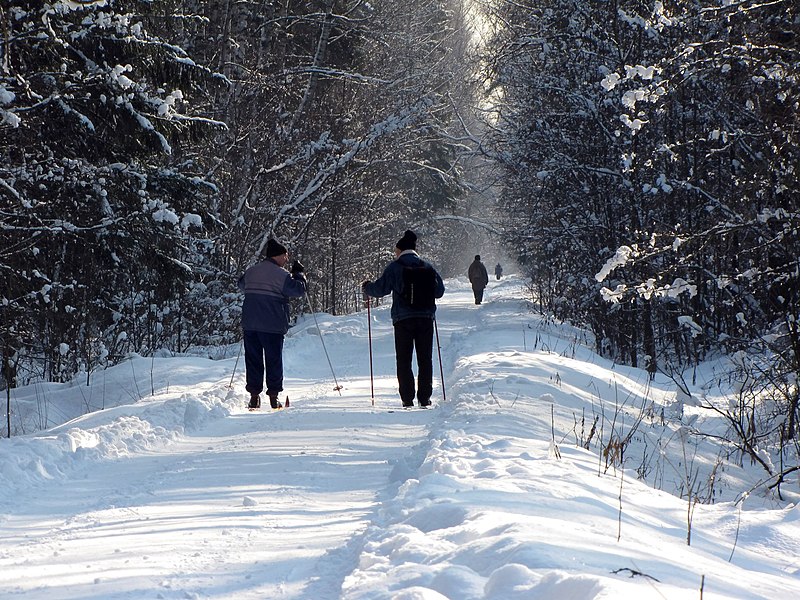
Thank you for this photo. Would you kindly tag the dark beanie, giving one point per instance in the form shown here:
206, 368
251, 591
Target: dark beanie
477, 257
408, 241
275, 248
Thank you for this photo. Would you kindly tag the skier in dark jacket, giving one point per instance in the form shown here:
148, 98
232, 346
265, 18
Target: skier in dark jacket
267, 288
413, 328
498, 271
478, 277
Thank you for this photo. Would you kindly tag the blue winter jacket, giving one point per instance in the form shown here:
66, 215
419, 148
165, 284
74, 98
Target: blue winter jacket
391, 281
267, 289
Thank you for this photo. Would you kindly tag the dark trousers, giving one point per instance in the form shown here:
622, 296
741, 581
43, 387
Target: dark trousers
478, 293
410, 335
262, 349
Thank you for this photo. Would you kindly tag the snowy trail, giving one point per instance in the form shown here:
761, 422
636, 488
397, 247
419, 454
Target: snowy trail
186, 495
249, 504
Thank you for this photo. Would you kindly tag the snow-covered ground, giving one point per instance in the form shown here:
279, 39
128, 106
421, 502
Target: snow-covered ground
173, 490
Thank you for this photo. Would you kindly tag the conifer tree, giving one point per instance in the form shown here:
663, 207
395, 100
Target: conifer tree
103, 216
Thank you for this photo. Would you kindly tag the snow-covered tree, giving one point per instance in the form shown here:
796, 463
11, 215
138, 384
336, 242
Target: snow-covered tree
138, 183
103, 216
724, 158
652, 180
336, 115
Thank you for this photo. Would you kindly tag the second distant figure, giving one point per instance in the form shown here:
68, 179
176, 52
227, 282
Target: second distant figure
415, 285
498, 271
478, 277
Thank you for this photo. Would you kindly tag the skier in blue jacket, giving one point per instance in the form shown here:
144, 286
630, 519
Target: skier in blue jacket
267, 287
413, 328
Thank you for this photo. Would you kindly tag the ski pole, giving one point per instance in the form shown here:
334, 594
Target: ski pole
338, 388
236, 364
441, 369
369, 330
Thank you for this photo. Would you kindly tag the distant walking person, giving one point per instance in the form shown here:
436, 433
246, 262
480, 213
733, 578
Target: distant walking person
267, 288
478, 277
498, 271
415, 285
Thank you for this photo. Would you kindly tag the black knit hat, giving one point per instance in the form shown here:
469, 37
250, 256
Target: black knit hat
477, 257
408, 241
275, 248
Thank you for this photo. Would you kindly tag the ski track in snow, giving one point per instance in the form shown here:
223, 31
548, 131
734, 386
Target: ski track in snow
186, 494
233, 496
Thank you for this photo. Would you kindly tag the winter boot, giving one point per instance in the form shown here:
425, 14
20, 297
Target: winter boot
255, 401
273, 400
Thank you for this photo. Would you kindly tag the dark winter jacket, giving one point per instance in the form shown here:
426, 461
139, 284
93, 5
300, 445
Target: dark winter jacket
478, 276
267, 289
391, 281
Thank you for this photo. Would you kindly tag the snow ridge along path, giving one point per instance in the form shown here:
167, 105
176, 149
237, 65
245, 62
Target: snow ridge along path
183, 493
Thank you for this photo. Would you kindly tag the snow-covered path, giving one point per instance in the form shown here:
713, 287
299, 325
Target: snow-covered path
243, 507
247, 505
489, 496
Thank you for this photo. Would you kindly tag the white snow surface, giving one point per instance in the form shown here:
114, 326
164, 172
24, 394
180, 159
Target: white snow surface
171, 489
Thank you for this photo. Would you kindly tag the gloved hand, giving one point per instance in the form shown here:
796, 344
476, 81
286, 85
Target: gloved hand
364, 294
297, 267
